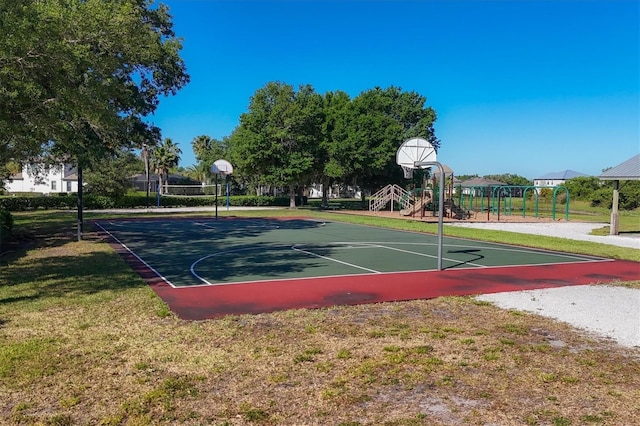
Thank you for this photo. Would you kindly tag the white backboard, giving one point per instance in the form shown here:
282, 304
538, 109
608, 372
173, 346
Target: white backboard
222, 167
415, 151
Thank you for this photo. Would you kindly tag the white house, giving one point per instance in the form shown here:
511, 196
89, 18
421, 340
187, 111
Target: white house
556, 178
55, 179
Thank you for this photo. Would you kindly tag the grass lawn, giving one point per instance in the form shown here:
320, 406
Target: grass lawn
84, 341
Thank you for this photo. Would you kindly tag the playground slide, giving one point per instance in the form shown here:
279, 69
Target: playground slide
414, 209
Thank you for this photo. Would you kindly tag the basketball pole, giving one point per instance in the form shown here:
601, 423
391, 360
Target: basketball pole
216, 196
427, 164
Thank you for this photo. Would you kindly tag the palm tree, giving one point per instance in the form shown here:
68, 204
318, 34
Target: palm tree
200, 172
164, 157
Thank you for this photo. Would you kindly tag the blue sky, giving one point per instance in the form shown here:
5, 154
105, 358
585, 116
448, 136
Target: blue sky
522, 87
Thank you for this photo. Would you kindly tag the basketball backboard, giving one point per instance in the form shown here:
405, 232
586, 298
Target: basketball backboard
222, 167
414, 152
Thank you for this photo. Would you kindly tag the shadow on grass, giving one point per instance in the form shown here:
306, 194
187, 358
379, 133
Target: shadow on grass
65, 276
38, 229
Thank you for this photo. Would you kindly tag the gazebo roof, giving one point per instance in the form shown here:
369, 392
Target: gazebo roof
478, 181
628, 170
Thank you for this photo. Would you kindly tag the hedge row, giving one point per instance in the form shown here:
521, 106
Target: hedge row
91, 202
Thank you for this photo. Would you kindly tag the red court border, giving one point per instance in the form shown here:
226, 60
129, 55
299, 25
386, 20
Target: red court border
203, 302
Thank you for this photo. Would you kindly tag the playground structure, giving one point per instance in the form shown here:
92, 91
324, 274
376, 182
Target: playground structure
499, 199
461, 202
471, 202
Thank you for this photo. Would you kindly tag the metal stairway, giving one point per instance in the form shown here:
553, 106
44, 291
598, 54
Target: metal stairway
390, 193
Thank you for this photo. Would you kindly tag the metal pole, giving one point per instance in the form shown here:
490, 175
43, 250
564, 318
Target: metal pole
227, 189
440, 205
216, 196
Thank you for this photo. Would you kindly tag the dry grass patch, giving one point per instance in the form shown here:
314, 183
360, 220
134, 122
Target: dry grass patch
84, 341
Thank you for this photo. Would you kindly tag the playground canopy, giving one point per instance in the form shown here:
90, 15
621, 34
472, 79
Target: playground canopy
628, 170
478, 181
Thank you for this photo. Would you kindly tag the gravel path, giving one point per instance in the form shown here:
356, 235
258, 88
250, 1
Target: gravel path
608, 311
570, 230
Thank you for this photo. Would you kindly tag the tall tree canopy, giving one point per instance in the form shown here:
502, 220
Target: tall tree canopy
290, 137
77, 77
368, 131
278, 137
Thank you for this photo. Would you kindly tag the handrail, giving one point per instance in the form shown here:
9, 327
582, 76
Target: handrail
381, 198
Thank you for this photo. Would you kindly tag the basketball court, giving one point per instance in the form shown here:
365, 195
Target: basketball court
206, 268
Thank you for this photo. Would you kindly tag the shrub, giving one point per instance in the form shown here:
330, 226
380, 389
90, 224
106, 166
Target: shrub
601, 198
98, 202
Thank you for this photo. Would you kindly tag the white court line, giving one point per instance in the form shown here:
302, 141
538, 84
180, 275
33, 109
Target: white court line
335, 260
354, 245
136, 256
433, 257
578, 257
192, 268
381, 245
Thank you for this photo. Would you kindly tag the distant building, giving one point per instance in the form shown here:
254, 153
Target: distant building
55, 179
478, 186
556, 179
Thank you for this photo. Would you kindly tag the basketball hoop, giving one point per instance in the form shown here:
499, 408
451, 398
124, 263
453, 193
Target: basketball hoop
412, 153
222, 167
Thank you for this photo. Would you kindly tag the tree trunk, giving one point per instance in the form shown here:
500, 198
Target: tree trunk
166, 182
292, 196
160, 186
325, 192
80, 205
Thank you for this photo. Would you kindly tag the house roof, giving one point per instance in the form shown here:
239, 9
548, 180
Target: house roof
478, 181
564, 175
628, 170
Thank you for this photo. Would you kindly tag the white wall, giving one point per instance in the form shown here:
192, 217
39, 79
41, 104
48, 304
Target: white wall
49, 181
548, 182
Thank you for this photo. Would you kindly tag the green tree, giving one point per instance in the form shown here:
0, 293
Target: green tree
79, 76
333, 156
278, 137
200, 172
208, 149
163, 158
112, 176
582, 187
382, 119
510, 179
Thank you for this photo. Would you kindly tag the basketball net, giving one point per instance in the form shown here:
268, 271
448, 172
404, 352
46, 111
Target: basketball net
408, 172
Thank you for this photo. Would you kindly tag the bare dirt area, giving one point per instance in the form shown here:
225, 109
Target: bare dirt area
475, 217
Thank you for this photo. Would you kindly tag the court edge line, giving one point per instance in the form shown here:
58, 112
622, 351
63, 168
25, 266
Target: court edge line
592, 260
136, 256
417, 271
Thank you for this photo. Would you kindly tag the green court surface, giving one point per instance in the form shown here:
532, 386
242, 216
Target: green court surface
204, 252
